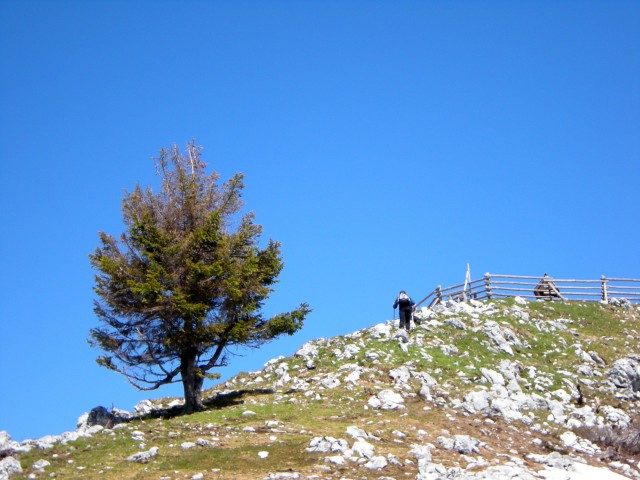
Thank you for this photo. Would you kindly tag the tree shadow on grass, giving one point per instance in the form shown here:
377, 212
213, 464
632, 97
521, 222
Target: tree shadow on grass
214, 402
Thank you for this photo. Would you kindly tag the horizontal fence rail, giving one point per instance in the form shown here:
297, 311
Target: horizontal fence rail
548, 288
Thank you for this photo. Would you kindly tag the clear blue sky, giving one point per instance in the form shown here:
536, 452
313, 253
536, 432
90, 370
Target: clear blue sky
385, 144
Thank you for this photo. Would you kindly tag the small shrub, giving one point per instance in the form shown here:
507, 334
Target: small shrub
621, 441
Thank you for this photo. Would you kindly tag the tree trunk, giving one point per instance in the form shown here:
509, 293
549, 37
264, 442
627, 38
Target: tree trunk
192, 380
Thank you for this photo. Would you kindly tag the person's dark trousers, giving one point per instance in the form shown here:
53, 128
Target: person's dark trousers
405, 318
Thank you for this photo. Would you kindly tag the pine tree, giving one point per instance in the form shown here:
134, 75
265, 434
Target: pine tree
186, 283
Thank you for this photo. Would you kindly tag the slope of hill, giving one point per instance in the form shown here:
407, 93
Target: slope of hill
497, 390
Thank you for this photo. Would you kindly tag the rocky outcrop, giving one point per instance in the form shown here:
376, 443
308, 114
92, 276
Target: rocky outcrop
9, 466
625, 373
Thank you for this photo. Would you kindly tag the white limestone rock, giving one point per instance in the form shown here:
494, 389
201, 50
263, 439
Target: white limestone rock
615, 417
387, 400
478, 401
381, 330
143, 457
502, 337
331, 381
400, 375
282, 476
308, 350
41, 464
353, 377
338, 460
426, 392
144, 407
596, 358
423, 456
493, 377
449, 350
350, 351
362, 448
327, 444
9, 466
503, 472
456, 323
460, 443
401, 336
376, 463
571, 440
9, 446
521, 301
356, 433
510, 369
425, 378
554, 460
583, 417
625, 373
47, 442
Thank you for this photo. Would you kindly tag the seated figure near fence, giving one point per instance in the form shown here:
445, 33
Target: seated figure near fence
546, 289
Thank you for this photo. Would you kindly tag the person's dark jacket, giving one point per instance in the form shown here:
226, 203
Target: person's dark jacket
403, 301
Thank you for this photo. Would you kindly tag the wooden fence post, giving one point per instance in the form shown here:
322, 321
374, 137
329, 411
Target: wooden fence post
605, 296
439, 293
487, 284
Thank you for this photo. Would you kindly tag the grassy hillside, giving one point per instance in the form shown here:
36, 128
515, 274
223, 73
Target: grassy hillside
513, 377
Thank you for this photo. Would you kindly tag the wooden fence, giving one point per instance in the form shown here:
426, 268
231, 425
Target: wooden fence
500, 286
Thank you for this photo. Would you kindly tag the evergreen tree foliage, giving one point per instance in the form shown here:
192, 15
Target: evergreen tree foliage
187, 280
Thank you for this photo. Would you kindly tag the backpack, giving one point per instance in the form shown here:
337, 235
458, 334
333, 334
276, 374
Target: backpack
404, 300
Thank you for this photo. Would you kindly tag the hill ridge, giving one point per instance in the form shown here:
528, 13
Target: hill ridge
480, 390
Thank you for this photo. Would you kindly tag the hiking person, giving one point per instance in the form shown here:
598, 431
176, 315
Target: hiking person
405, 304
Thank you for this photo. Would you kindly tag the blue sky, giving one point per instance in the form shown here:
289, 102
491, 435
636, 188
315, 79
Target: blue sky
385, 144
